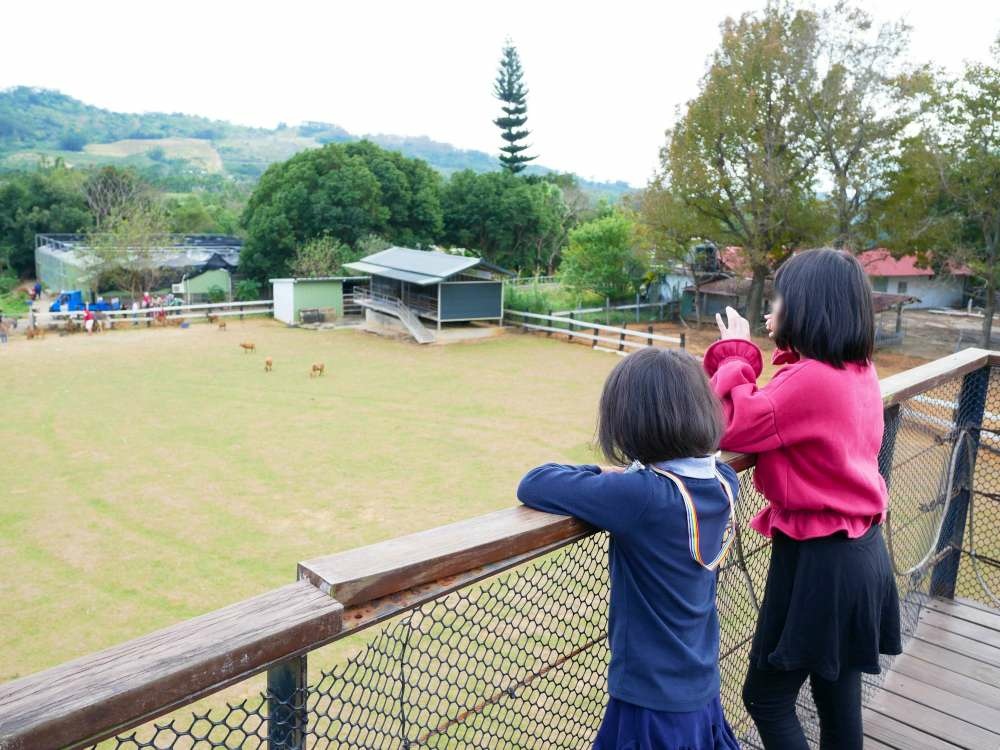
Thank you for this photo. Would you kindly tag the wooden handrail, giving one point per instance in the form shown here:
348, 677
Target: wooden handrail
97, 696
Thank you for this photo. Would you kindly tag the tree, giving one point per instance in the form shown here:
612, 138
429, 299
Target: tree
742, 157
510, 221
322, 256
945, 196
509, 89
602, 257
344, 191
863, 98
49, 199
113, 193
126, 249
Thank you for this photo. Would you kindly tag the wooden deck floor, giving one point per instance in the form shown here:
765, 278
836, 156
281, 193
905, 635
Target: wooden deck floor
943, 692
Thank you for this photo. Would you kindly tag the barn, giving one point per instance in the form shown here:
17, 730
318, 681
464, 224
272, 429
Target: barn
428, 285
309, 300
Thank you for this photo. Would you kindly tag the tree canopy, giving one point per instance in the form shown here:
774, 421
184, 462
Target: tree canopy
510, 90
345, 191
603, 256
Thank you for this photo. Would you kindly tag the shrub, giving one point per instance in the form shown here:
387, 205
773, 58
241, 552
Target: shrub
247, 290
216, 294
7, 283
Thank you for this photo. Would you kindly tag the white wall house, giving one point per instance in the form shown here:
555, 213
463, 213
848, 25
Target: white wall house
903, 276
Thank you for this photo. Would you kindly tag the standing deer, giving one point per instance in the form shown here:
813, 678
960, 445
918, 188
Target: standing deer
248, 346
317, 369
222, 325
268, 363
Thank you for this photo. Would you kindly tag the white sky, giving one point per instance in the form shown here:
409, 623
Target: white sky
605, 78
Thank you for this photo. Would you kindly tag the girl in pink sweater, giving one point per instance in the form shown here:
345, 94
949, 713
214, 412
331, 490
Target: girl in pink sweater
830, 603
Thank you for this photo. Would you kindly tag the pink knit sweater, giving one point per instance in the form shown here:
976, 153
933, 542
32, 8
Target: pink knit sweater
816, 431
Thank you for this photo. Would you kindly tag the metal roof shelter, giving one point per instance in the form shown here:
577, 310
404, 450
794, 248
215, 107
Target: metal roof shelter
411, 284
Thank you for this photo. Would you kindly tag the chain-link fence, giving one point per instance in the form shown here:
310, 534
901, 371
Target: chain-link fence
520, 660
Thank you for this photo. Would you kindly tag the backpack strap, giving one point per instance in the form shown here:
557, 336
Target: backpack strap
694, 540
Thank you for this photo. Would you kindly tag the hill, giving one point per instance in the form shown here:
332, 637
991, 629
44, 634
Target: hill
37, 123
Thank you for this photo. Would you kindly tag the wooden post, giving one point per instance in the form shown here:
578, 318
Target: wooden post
607, 311
649, 330
593, 342
548, 334
968, 419
683, 340
241, 312
637, 307
899, 318
621, 341
286, 704
569, 327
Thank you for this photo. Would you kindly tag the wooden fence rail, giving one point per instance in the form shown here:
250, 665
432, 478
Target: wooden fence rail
97, 696
575, 329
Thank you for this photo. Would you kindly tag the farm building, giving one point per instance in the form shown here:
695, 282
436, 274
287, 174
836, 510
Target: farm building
198, 288
904, 276
62, 263
312, 300
409, 285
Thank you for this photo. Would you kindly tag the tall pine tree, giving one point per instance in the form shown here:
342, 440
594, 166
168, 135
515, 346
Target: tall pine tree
509, 89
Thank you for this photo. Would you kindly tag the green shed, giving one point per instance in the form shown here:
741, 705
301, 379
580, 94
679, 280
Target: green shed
195, 289
326, 294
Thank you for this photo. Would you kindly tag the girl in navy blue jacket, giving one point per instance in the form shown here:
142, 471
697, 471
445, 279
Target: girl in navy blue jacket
670, 516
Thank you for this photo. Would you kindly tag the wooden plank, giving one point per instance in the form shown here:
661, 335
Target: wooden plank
986, 618
871, 744
933, 722
365, 573
927, 694
903, 385
948, 659
944, 678
974, 604
898, 735
957, 625
96, 696
960, 644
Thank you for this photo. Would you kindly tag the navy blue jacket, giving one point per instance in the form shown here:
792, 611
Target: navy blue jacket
663, 626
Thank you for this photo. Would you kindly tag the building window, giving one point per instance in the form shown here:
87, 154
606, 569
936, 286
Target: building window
900, 287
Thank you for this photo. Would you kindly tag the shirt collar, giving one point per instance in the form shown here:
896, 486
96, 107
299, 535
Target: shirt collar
694, 467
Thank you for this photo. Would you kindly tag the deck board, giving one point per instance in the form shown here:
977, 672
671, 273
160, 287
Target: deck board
943, 693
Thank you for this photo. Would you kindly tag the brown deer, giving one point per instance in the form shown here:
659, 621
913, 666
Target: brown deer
248, 346
222, 325
317, 369
268, 363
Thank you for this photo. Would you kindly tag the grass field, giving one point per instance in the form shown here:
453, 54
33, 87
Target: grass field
151, 475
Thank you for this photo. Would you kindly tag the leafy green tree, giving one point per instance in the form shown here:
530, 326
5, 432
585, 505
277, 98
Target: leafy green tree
513, 222
862, 100
945, 194
49, 199
603, 257
125, 250
345, 191
742, 157
509, 89
322, 256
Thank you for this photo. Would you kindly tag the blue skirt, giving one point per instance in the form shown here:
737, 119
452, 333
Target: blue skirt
630, 727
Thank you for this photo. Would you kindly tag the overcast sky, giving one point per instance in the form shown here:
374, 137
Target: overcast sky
604, 78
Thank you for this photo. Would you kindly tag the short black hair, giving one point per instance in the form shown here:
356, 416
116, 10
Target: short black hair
826, 307
657, 405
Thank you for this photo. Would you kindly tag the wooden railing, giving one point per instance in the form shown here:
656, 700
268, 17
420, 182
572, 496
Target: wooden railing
100, 695
616, 338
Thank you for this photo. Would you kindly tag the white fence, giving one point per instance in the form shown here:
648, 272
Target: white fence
168, 312
617, 339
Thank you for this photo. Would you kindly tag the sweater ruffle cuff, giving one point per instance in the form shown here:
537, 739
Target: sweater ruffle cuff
741, 349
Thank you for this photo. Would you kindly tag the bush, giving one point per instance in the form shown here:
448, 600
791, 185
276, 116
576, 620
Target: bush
7, 283
247, 290
216, 294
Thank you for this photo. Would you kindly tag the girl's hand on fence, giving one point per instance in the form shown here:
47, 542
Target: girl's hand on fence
735, 327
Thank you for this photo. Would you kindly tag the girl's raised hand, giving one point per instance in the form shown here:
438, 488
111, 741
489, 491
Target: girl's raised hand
735, 327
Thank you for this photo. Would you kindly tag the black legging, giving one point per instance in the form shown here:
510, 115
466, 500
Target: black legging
770, 695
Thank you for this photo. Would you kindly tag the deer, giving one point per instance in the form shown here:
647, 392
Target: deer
222, 325
248, 346
268, 364
317, 370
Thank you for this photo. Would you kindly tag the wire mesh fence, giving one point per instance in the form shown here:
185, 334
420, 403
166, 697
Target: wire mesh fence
520, 660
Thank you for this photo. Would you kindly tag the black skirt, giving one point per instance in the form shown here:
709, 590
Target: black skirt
829, 604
